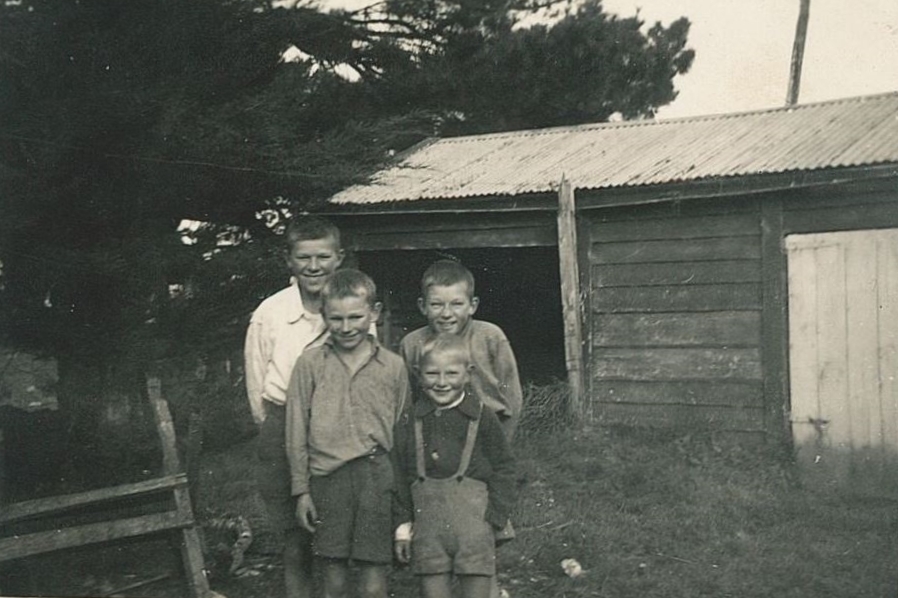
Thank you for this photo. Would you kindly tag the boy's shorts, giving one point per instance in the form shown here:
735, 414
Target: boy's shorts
354, 506
451, 534
273, 473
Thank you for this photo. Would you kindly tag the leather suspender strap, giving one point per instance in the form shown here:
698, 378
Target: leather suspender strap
419, 449
466, 454
468, 451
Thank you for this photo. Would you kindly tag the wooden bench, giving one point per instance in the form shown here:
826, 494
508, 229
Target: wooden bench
171, 490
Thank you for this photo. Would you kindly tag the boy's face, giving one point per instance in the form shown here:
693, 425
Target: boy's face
448, 307
349, 319
312, 262
444, 375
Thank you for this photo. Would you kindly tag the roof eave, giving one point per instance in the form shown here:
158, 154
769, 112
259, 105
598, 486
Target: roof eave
730, 186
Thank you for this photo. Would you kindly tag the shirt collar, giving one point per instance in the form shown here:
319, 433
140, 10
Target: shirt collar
296, 310
375, 354
469, 406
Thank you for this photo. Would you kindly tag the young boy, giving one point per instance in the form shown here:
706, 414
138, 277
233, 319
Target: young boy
455, 474
449, 303
343, 402
280, 329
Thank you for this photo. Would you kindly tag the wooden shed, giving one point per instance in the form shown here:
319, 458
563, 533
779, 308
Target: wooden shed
735, 271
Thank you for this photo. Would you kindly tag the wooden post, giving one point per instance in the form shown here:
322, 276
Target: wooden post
190, 543
171, 464
801, 34
774, 323
570, 294
2, 470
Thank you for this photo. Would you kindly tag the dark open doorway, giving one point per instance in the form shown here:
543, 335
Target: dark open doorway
519, 291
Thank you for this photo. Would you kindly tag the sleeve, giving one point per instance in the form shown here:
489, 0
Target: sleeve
255, 360
402, 475
512, 396
501, 484
299, 403
404, 391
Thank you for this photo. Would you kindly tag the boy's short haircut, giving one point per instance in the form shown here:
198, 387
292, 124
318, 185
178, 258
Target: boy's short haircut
446, 273
446, 343
309, 228
350, 283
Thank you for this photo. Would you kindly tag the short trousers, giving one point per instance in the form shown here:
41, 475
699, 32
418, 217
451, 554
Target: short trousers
451, 533
273, 472
354, 507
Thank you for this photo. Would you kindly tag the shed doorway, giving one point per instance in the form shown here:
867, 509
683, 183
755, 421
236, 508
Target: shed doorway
519, 290
843, 327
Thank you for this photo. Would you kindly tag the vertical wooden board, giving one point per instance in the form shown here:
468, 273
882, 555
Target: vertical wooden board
887, 298
862, 338
570, 294
773, 329
802, 277
832, 344
171, 463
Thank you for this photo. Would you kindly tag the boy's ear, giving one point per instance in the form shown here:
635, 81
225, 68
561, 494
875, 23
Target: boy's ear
376, 309
341, 254
421, 307
475, 302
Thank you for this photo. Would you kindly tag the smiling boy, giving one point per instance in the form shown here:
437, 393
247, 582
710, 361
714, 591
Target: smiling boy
449, 303
343, 402
455, 486
281, 328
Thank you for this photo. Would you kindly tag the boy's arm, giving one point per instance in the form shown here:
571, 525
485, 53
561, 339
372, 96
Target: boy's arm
255, 360
403, 476
402, 435
501, 485
509, 383
299, 401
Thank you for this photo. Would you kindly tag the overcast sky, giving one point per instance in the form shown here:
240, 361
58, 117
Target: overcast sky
743, 49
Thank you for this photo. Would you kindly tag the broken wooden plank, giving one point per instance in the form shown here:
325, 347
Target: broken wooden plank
57, 504
16, 547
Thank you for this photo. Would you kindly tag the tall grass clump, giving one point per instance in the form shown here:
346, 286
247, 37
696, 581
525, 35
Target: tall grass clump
546, 408
682, 513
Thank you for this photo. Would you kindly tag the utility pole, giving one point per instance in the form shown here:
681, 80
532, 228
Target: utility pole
801, 34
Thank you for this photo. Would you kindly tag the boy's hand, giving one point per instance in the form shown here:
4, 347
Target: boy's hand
403, 549
402, 544
305, 512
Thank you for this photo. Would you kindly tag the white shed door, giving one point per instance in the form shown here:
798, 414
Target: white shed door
843, 355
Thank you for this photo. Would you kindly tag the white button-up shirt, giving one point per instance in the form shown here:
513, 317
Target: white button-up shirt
279, 331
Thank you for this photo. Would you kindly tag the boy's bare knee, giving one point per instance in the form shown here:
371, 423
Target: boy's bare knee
336, 579
372, 582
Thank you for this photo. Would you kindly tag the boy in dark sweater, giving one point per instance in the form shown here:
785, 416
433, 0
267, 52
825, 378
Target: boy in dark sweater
455, 477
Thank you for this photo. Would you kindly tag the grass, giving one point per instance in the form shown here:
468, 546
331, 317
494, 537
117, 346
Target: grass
647, 513
667, 515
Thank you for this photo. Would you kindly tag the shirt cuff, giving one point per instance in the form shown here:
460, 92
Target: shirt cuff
299, 486
404, 532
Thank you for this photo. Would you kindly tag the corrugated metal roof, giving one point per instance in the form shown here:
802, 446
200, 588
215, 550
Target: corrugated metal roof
850, 132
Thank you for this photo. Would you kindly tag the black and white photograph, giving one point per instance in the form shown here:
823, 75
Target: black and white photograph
449, 298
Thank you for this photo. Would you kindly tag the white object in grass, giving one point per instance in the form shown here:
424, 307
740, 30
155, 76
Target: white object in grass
572, 568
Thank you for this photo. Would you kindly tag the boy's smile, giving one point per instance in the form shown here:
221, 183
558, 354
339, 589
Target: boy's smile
444, 375
312, 262
448, 308
348, 320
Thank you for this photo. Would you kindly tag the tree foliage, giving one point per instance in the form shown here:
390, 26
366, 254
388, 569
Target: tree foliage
120, 119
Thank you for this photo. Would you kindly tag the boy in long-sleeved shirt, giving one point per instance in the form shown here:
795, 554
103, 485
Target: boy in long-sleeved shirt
281, 328
449, 303
343, 403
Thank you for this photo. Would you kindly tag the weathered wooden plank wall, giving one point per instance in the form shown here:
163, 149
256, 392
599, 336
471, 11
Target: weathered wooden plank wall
675, 314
